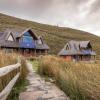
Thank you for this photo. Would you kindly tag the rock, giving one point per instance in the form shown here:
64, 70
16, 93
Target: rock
51, 80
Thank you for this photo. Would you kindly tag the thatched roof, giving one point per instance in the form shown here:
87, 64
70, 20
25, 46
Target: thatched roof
18, 33
77, 48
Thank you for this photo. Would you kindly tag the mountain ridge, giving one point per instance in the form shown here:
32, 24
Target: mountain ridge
56, 37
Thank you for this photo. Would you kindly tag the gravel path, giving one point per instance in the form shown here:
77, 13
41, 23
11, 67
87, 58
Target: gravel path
39, 89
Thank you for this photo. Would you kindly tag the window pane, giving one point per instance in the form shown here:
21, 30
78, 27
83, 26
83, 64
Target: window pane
27, 39
27, 34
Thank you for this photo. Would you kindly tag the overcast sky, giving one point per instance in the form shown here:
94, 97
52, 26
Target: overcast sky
78, 14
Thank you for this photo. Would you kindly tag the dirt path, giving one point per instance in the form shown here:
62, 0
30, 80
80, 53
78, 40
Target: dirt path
38, 89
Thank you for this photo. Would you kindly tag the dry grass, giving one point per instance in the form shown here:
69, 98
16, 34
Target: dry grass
24, 70
12, 58
7, 59
81, 81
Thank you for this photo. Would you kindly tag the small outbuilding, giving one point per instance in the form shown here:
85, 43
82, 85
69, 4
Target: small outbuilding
78, 51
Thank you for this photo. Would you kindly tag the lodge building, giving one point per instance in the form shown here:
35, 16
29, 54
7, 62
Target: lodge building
78, 51
23, 41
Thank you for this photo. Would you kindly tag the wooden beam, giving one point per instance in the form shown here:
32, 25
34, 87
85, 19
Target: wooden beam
45, 51
4, 94
40, 52
7, 69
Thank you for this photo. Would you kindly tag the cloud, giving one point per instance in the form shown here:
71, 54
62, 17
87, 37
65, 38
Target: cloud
34, 7
79, 14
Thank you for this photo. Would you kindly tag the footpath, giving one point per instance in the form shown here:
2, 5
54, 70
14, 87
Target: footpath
39, 89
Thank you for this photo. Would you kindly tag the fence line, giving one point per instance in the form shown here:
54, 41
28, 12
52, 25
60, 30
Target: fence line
7, 69
4, 71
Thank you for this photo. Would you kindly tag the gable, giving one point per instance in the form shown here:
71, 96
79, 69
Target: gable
29, 32
84, 44
27, 41
89, 45
10, 38
27, 38
39, 41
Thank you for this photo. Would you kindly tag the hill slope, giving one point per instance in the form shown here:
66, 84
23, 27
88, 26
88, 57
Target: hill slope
56, 37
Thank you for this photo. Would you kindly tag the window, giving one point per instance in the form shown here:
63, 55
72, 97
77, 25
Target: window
27, 34
10, 38
27, 38
27, 41
67, 47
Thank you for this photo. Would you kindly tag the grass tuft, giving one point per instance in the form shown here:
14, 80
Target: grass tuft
9, 59
80, 81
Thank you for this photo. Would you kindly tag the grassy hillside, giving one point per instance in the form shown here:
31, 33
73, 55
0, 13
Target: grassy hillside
56, 37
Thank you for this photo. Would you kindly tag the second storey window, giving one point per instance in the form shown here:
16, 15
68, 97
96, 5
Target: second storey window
67, 47
27, 39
